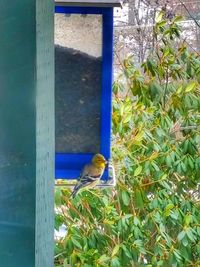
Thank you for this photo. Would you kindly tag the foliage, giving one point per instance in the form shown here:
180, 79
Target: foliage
152, 217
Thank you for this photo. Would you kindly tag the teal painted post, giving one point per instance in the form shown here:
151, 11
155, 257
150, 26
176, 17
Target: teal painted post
26, 133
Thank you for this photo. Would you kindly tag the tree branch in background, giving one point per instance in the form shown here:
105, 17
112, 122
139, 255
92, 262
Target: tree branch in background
189, 13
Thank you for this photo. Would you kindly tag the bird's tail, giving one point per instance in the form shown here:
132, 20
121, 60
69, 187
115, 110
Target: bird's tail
73, 194
75, 191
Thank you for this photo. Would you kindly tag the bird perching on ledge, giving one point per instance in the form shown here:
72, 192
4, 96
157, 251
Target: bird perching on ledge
91, 174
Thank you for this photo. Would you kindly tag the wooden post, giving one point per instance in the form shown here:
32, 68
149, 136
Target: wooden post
26, 133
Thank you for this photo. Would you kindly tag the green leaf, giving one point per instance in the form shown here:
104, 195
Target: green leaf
115, 250
190, 234
198, 230
177, 254
168, 161
187, 219
184, 252
59, 220
151, 67
57, 196
76, 242
104, 258
126, 251
190, 87
125, 198
181, 235
168, 209
138, 242
165, 185
66, 263
127, 118
155, 166
169, 206
179, 90
159, 17
138, 199
185, 241
115, 262
178, 18
138, 170
162, 228
136, 221
174, 215
156, 90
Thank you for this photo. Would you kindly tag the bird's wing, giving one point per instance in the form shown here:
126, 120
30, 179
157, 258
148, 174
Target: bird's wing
88, 178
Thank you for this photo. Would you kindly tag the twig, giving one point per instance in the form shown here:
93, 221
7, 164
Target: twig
196, 22
166, 86
154, 182
59, 254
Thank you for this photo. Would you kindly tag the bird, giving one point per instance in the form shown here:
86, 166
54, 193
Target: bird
91, 174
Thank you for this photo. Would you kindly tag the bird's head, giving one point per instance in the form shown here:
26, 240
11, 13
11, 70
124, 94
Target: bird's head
99, 161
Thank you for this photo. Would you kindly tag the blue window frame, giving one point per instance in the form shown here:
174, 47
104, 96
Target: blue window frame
69, 165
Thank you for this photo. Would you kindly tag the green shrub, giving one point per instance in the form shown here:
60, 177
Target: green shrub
152, 217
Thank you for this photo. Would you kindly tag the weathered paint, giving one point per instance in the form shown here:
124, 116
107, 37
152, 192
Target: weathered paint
26, 133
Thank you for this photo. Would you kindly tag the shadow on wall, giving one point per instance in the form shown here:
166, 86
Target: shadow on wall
78, 101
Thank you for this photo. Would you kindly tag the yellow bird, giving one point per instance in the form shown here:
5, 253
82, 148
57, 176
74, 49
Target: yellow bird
91, 174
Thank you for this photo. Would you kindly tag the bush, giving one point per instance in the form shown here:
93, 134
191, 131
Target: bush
152, 217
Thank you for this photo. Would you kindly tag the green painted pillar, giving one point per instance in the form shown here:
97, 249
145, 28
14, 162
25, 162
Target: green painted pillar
26, 133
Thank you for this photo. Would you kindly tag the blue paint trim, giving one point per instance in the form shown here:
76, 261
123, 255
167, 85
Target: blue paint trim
69, 165
106, 104
79, 10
